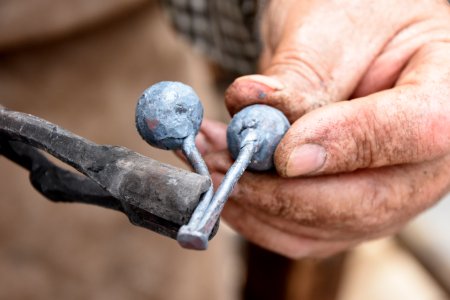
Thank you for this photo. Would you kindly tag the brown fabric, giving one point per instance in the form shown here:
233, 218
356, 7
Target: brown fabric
89, 83
27, 22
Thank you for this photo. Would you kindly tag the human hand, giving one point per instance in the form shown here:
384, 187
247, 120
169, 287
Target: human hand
367, 165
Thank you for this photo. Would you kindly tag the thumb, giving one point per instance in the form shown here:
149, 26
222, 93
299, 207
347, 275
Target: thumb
314, 54
406, 124
398, 126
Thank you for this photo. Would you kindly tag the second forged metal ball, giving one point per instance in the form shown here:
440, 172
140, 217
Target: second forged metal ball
270, 125
167, 113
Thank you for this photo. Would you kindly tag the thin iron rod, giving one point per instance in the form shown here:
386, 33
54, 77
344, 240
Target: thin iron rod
195, 159
232, 176
195, 235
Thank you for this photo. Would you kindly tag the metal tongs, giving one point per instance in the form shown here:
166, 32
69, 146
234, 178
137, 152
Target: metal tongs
153, 195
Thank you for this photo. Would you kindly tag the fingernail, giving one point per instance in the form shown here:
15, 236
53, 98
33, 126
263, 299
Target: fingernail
270, 82
252, 87
305, 159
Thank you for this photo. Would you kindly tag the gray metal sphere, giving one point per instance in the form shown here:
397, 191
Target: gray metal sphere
167, 113
270, 125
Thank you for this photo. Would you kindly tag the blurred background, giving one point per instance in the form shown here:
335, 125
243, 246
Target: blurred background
82, 65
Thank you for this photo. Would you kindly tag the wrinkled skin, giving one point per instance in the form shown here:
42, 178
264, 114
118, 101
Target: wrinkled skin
370, 164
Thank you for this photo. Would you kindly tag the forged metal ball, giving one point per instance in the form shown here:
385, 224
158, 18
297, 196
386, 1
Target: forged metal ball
167, 113
270, 125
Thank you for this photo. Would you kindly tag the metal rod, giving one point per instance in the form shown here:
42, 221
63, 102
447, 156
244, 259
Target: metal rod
195, 159
196, 237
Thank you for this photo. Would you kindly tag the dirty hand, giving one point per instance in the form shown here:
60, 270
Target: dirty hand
347, 171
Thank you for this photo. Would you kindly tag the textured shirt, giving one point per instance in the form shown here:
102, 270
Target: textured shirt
225, 30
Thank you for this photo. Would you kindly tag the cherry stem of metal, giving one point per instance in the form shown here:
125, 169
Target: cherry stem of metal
195, 159
195, 234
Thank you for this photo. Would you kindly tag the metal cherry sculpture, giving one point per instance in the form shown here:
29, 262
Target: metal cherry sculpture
168, 116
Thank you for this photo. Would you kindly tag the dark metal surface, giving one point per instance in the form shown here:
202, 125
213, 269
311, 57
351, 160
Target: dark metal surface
152, 194
53, 182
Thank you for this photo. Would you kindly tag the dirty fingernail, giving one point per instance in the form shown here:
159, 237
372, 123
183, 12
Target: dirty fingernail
305, 159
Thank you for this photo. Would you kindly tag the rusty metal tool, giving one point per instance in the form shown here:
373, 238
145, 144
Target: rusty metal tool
153, 195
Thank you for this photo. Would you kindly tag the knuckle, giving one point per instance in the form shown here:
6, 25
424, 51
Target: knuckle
366, 142
373, 142
301, 66
303, 62
288, 204
376, 210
